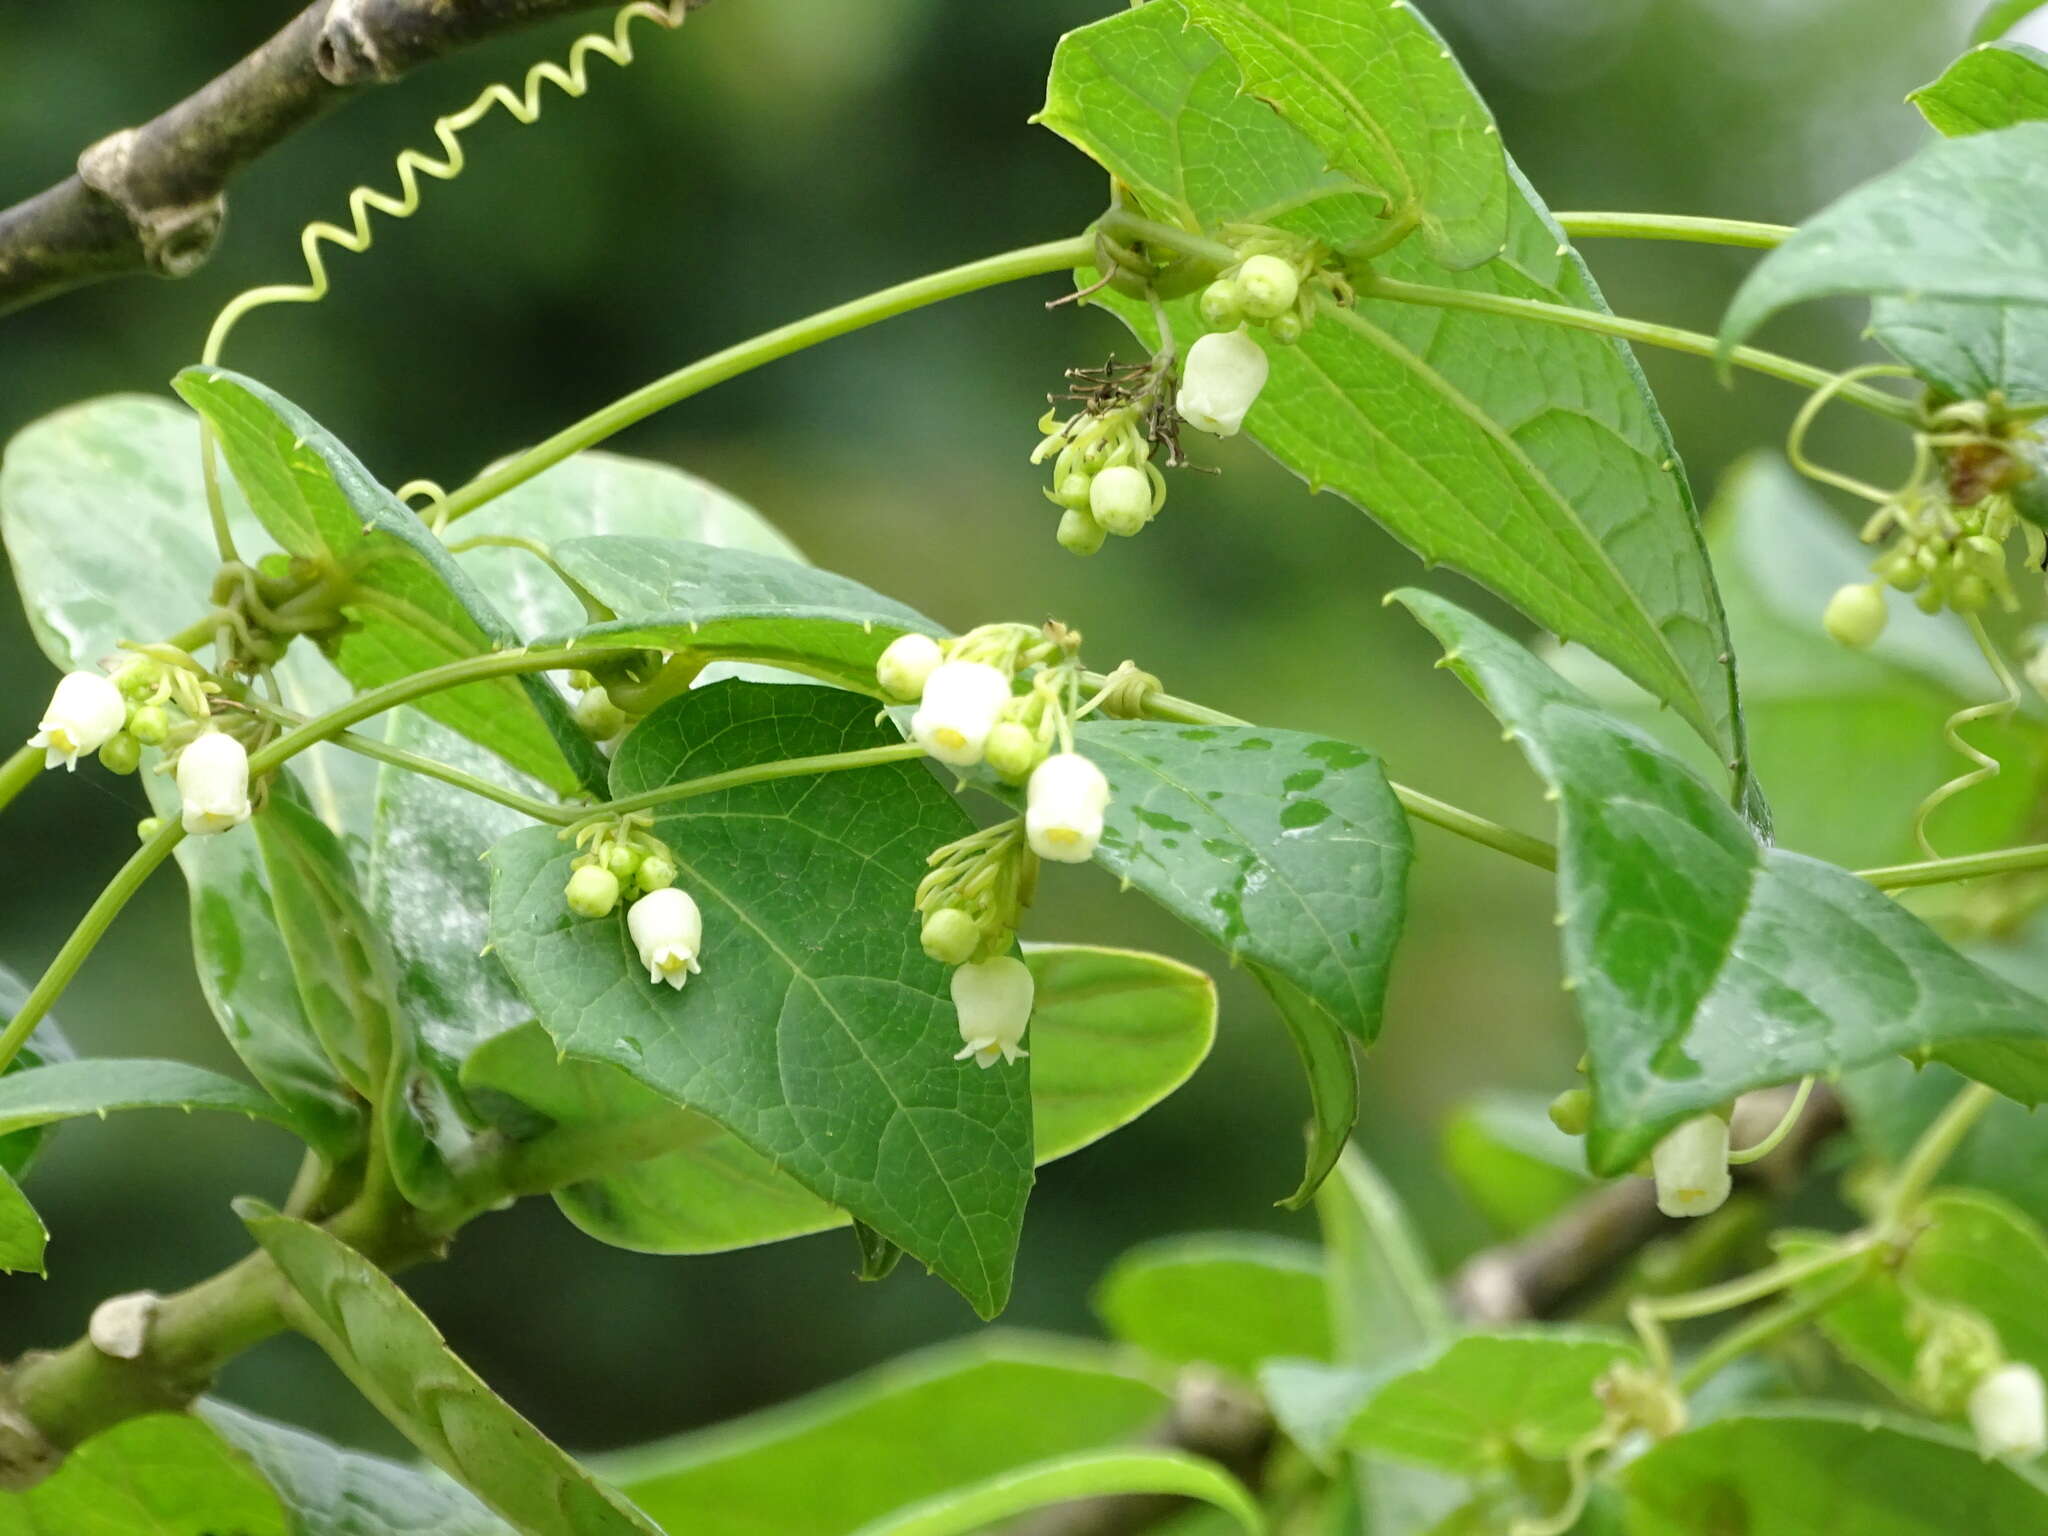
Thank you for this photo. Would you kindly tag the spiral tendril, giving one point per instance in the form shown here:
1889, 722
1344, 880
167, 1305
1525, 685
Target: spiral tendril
1986, 766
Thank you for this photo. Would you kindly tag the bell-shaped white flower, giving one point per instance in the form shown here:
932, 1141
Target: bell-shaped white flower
668, 930
1225, 372
962, 700
1063, 807
1691, 1168
213, 783
2009, 1413
994, 1001
907, 664
85, 712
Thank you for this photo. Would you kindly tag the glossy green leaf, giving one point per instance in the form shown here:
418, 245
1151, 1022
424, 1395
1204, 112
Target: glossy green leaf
1228, 1299
736, 604
818, 1033
1703, 963
413, 606
398, 1360
328, 1491
1083, 1475
1962, 220
163, 1474
99, 1085
1992, 86
1486, 1398
23, 1237
1796, 1473
1114, 1032
1511, 1162
1330, 1063
1376, 91
2000, 17
1530, 457
826, 1464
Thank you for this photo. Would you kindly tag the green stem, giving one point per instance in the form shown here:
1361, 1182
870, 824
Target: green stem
98, 917
1697, 343
1969, 866
1930, 1154
1010, 266
1675, 226
18, 772
756, 773
1767, 1325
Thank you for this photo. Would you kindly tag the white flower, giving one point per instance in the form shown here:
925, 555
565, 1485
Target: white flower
906, 664
961, 702
668, 930
213, 783
994, 1000
2008, 1414
1224, 374
1121, 499
84, 712
1063, 808
1691, 1167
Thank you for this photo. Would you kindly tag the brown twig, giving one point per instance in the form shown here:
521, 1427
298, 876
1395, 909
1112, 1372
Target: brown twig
152, 198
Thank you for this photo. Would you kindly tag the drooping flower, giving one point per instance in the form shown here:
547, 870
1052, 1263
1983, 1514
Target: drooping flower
2009, 1413
213, 784
84, 713
906, 665
668, 930
962, 700
1224, 374
1063, 808
994, 1000
1691, 1168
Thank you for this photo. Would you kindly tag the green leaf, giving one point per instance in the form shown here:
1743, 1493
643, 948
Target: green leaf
828, 1463
1376, 91
399, 1361
1384, 1301
1703, 963
2000, 17
44, 1047
1992, 86
1084, 1475
1512, 1163
818, 1033
99, 1085
1795, 1473
1530, 457
1331, 1066
1228, 1299
328, 1491
1487, 1398
1962, 220
163, 1474
23, 1236
736, 604
412, 606
1314, 1404
2005, 1154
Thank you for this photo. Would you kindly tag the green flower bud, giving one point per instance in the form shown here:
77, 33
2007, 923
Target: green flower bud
623, 860
1079, 533
950, 936
1855, 615
120, 753
1222, 305
1969, 594
1572, 1111
596, 716
1073, 493
148, 827
1012, 751
1121, 499
150, 725
582, 681
592, 891
138, 680
657, 873
1285, 329
1270, 286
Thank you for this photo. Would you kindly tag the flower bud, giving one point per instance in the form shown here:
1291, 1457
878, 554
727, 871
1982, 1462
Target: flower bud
150, 725
596, 716
623, 860
1285, 329
668, 930
1079, 533
1222, 304
1224, 374
148, 828
962, 700
138, 679
1121, 499
657, 872
1063, 808
2008, 1415
120, 753
592, 891
950, 936
84, 712
906, 664
1572, 1111
213, 783
1855, 615
993, 998
1270, 286
1073, 493
1012, 751
1691, 1167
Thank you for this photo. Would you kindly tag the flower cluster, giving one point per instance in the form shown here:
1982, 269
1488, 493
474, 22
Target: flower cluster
620, 859
1103, 477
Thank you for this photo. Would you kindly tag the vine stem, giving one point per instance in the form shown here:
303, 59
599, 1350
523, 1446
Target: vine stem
1675, 226
1009, 266
18, 772
1930, 1154
757, 773
1965, 866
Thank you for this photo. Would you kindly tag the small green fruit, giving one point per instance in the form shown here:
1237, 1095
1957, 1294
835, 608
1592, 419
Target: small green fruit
150, 725
148, 827
1285, 329
623, 861
1012, 751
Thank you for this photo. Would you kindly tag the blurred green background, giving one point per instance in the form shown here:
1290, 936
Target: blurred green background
777, 156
